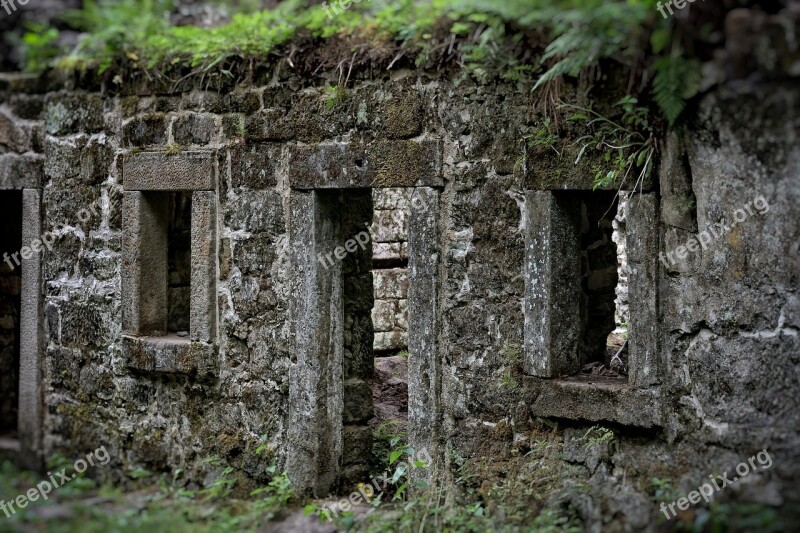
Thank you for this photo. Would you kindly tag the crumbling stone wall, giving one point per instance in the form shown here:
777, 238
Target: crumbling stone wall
713, 337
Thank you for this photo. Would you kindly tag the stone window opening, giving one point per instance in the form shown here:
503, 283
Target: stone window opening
179, 272
590, 287
604, 285
10, 308
169, 263
390, 313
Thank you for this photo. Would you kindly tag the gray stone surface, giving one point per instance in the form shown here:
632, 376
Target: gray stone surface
169, 355
424, 357
642, 242
154, 171
144, 263
552, 285
380, 164
316, 387
203, 304
30, 361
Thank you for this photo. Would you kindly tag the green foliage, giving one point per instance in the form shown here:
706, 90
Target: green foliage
589, 31
514, 40
334, 95
544, 135
626, 145
598, 436
723, 517
676, 80
39, 47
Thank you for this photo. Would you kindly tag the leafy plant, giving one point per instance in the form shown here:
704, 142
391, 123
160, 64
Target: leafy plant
676, 80
626, 145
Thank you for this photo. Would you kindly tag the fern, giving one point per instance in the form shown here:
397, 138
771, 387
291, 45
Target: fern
676, 81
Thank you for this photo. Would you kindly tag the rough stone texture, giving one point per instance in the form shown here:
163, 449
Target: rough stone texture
203, 297
145, 217
317, 376
424, 363
380, 164
187, 171
553, 325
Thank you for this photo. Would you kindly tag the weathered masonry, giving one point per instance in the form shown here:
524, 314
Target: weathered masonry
204, 283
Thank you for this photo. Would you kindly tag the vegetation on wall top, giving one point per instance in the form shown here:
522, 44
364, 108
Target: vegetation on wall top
536, 41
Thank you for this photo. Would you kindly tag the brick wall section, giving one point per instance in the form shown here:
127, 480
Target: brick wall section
390, 255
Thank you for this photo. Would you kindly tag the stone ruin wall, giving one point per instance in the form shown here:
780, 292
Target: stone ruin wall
277, 176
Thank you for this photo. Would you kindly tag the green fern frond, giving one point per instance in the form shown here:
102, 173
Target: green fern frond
676, 81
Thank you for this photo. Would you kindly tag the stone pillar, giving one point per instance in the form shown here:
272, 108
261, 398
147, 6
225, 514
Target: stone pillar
316, 384
552, 285
30, 410
424, 363
144, 263
203, 307
643, 246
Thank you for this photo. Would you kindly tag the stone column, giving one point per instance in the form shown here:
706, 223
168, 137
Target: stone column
424, 363
316, 380
30, 371
552, 285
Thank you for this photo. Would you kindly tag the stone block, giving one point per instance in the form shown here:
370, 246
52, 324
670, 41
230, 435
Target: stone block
194, 129
552, 285
387, 251
155, 171
357, 444
67, 113
144, 263
30, 349
14, 134
402, 314
27, 106
21, 171
257, 212
678, 201
391, 283
383, 315
644, 366
400, 116
379, 164
358, 405
267, 125
253, 166
425, 410
389, 226
390, 341
316, 379
148, 130
391, 198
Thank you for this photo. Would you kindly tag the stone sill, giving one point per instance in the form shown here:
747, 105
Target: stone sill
170, 354
601, 400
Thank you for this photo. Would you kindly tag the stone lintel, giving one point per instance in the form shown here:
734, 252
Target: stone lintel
595, 402
399, 163
156, 171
